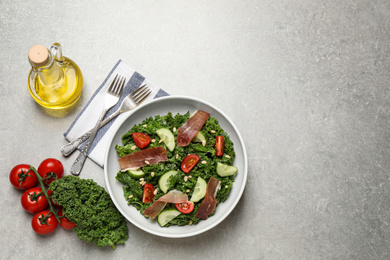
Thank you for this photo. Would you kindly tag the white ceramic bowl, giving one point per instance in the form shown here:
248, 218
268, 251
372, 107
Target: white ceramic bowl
161, 106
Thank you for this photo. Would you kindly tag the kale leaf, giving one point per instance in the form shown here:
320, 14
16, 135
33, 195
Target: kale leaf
90, 207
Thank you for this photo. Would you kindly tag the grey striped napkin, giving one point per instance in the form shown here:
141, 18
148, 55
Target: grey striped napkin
89, 115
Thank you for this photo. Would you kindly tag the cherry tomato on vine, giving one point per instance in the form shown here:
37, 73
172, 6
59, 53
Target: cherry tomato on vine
189, 162
141, 140
148, 194
65, 223
185, 207
219, 145
21, 178
51, 168
44, 222
33, 200
52, 202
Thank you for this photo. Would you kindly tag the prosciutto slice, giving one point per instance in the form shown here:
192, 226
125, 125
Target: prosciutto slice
147, 156
173, 196
190, 128
208, 204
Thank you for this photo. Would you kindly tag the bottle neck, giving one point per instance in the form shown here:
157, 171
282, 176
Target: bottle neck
50, 73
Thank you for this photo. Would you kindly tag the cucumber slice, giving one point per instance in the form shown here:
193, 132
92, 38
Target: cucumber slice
224, 170
166, 135
199, 191
199, 138
167, 215
136, 173
163, 182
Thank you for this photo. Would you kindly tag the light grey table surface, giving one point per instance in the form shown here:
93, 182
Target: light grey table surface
305, 82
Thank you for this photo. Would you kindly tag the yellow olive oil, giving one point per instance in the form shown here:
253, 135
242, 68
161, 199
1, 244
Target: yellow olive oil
54, 83
58, 90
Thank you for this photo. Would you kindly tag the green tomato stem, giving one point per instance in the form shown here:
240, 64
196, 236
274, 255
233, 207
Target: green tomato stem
40, 179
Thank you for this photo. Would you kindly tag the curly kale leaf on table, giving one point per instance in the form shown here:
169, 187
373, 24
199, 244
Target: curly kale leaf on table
90, 207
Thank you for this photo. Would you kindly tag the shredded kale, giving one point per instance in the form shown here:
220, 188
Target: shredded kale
90, 207
132, 188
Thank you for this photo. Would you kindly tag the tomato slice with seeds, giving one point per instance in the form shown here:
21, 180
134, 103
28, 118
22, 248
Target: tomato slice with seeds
185, 207
189, 162
219, 145
148, 194
141, 140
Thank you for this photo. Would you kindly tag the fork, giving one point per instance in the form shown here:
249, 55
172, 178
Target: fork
110, 99
129, 102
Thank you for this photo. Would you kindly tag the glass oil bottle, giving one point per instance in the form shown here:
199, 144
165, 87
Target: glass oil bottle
54, 81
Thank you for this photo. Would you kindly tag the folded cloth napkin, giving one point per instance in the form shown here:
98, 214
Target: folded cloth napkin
89, 115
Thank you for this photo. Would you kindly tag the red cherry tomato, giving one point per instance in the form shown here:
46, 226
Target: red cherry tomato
65, 223
21, 178
141, 140
44, 222
52, 202
189, 162
185, 207
51, 168
148, 194
219, 145
33, 200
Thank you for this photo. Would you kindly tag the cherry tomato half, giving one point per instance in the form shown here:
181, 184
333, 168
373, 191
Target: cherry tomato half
21, 178
43, 223
65, 223
219, 145
189, 162
185, 207
141, 140
148, 194
51, 168
33, 200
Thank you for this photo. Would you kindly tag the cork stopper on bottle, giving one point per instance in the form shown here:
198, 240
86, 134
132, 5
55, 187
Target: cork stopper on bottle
39, 55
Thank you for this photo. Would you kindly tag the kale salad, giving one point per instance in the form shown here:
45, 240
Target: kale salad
186, 170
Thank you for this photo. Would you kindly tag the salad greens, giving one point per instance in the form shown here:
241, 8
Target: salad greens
90, 207
132, 188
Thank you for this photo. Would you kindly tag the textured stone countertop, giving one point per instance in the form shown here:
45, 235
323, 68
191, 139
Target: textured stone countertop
305, 82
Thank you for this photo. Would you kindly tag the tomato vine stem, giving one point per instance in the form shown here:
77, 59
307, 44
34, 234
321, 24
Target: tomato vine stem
40, 179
